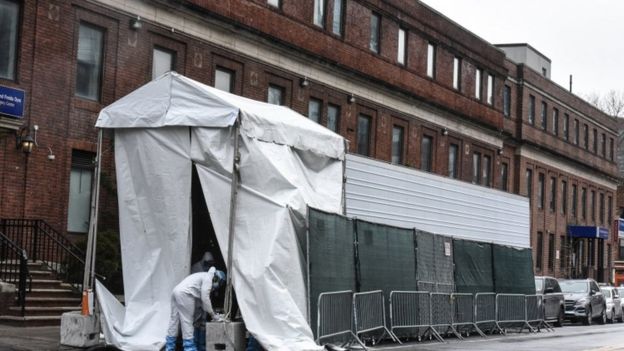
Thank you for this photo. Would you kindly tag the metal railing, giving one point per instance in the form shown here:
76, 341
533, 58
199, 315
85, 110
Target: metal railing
511, 312
464, 314
442, 314
335, 317
410, 314
43, 243
369, 312
485, 312
535, 312
14, 269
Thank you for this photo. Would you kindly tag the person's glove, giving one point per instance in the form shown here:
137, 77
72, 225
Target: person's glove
217, 317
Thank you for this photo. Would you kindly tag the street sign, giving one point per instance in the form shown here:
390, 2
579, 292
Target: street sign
12, 102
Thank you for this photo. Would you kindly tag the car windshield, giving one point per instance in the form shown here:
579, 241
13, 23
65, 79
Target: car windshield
606, 292
539, 284
573, 287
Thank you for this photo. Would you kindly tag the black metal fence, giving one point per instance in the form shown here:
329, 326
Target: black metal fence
14, 269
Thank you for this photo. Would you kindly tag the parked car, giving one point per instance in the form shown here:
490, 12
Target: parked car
584, 301
614, 305
554, 305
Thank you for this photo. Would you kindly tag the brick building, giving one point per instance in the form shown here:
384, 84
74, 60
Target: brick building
400, 81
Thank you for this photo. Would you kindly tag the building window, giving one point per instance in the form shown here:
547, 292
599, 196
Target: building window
478, 79
9, 29
319, 13
583, 203
490, 89
162, 62
504, 176
562, 253
555, 122
576, 132
453, 161
507, 101
456, 73
531, 110
431, 58
564, 197
274, 3
487, 171
540, 251
540, 191
603, 145
476, 168
79, 207
544, 121
595, 135
610, 210
566, 127
363, 135
601, 209
337, 17
224, 79
402, 44
397, 145
89, 70
585, 136
314, 110
553, 194
333, 117
375, 22
275, 95
574, 200
529, 184
592, 205
426, 153
611, 149
551, 251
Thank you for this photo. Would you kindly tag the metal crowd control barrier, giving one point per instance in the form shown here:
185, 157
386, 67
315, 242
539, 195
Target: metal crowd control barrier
535, 312
464, 314
370, 314
411, 311
485, 312
550, 308
511, 311
442, 314
427, 286
335, 316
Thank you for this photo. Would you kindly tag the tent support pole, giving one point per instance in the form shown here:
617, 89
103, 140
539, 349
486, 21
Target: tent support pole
232, 222
89, 272
344, 178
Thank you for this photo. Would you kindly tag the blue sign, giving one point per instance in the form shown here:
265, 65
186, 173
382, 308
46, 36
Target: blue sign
620, 228
11, 102
580, 231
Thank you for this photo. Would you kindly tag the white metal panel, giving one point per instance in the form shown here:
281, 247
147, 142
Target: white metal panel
404, 197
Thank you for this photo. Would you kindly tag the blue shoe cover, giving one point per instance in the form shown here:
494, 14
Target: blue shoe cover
170, 343
189, 345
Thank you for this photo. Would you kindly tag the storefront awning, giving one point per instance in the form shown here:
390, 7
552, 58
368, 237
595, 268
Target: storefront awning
581, 231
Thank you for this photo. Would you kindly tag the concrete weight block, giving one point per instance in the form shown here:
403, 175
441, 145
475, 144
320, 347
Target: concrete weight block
221, 336
78, 330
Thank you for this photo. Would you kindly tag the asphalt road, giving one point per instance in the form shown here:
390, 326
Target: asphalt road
571, 337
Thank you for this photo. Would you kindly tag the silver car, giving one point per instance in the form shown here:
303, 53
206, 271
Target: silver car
614, 303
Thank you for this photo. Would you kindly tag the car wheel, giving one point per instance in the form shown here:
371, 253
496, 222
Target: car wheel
603, 316
588, 318
560, 318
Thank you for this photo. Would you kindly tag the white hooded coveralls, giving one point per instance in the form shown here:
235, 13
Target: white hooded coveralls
195, 287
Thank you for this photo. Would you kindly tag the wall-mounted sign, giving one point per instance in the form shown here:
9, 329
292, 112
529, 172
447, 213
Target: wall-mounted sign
447, 248
12, 102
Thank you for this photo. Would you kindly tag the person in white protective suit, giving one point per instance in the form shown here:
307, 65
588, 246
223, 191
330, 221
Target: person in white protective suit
193, 289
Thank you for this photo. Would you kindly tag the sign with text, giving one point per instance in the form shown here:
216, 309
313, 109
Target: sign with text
11, 102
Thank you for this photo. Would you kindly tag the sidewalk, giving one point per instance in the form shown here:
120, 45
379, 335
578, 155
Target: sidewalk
29, 339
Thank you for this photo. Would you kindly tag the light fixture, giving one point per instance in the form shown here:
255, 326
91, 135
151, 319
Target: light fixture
499, 151
351, 98
304, 82
24, 140
136, 23
444, 131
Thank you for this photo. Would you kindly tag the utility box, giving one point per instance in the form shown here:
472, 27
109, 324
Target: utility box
78, 330
228, 336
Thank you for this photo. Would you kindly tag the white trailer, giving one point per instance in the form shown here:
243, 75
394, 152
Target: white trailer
405, 197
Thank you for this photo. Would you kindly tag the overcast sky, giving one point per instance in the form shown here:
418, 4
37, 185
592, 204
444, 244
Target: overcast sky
583, 38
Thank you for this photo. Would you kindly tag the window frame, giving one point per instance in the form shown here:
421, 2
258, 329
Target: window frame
541, 180
340, 17
279, 88
319, 22
456, 167
531, 116
507, 101
490, 89
478, 84
374, 42
402, 47
166, 50
555, 121
231, 73
431, 60
100, 79
403, 126
430, 167
544, 116
457, 72
370, 141
319, 102
18, 41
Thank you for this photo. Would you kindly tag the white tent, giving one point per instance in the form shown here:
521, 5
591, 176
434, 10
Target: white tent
286, 162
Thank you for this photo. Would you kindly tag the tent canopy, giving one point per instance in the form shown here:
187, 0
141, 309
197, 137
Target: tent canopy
287, 163
175, 100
